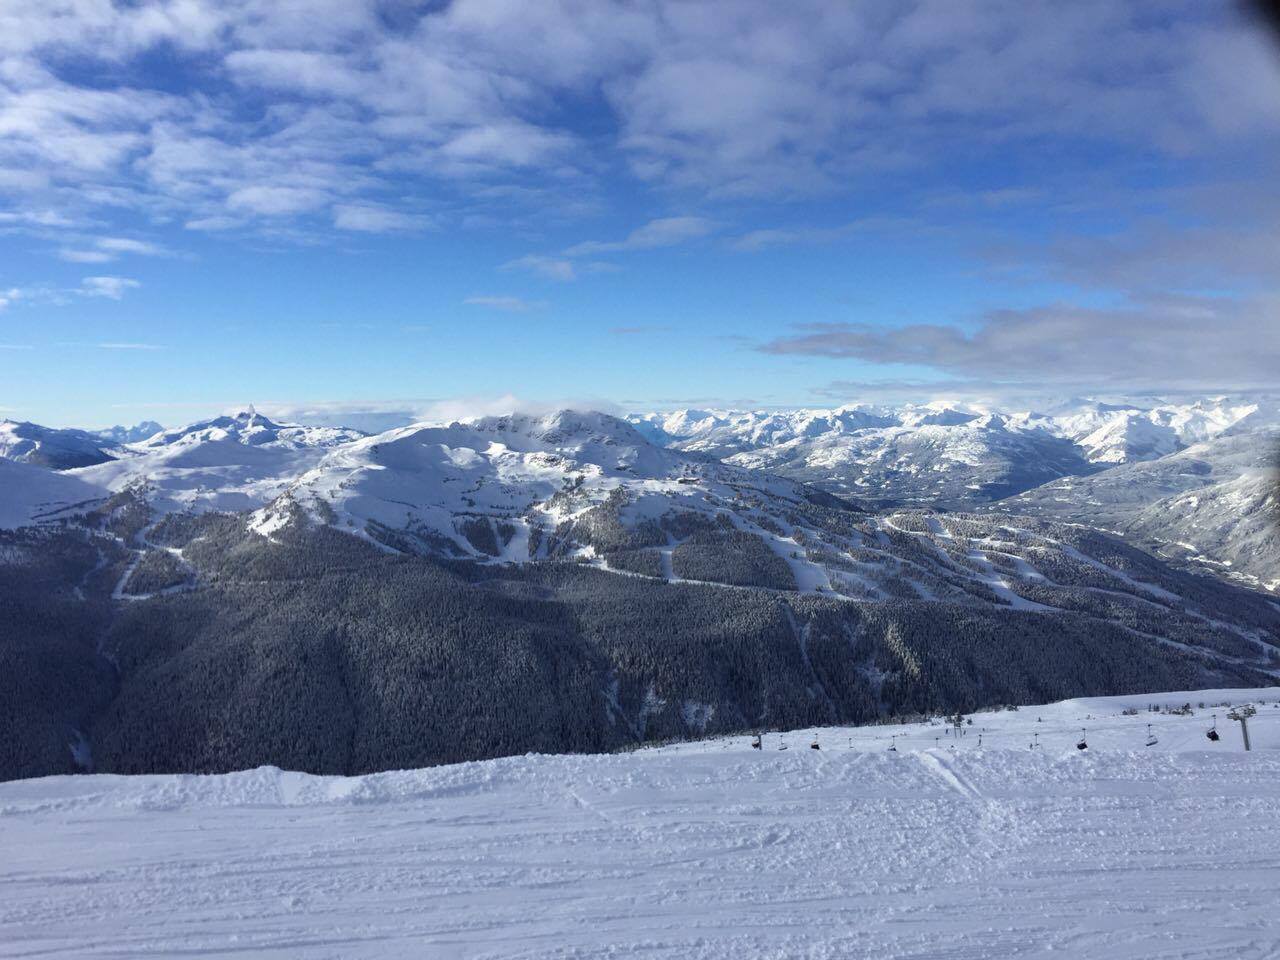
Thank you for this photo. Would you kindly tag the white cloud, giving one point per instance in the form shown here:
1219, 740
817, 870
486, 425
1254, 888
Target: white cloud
113, 288
1158, 343
664, 232
553, 268
370, 218
508, 144
41, 218
213, 224
755, 241
106, 249
128, 245
85, 256
303, 119
509, 304
770, 99
14, 295
276, 201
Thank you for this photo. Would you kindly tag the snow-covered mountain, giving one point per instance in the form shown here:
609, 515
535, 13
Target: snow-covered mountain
1111, 433
523, 487
944, 464
935, 454
948, 454
588, 486
630, 494
726, 432
1215, 503
51, 447
507, 584
1233, 525
234, 462
31, 495
251, 429
122, 434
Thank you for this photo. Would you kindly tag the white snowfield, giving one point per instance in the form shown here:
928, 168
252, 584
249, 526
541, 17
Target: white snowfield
1106, 433
707, 850
31, 495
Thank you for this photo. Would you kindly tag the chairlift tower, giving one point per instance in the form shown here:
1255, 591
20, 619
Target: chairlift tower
1242, 714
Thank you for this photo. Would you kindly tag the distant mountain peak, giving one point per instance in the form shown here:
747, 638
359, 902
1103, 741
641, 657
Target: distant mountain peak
123, 434
51, 447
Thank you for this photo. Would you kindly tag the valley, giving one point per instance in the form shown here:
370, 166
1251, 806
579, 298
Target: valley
438, 593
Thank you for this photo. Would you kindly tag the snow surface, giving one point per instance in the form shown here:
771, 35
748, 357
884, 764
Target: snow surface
48, 446
863, 434
32, 495
703, 850
235, 462
522, 471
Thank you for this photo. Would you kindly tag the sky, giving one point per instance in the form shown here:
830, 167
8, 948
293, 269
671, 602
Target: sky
345, 206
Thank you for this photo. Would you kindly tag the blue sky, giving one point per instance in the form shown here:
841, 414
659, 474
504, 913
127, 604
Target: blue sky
382, 206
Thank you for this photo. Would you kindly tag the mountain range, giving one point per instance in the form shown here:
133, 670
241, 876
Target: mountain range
576, 580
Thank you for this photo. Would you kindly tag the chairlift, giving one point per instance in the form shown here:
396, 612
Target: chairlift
893, 746
757, 744
1213, 731
814, 745
783, 745
1151, 737
1035, 742
1083, 744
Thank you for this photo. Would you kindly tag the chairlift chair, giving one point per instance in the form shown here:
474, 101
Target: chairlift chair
757, 744
1151, 737
1083, 744
814, 745
1213, 731
893, 746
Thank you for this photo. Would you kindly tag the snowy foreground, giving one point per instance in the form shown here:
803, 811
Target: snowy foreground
697, 851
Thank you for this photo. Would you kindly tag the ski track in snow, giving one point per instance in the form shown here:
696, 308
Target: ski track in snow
699, 850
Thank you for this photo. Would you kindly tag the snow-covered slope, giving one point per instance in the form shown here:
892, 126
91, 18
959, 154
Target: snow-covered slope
944, 453
250, 429
31, 495
1127, 437
711, 850
1233, 525
722, 433
946, 464
504, 487
236, 462
935, 454
53, 448
1216, 503
139, 431
1111, 433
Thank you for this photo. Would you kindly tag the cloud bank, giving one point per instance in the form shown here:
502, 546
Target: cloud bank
357, 115
1162, 343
